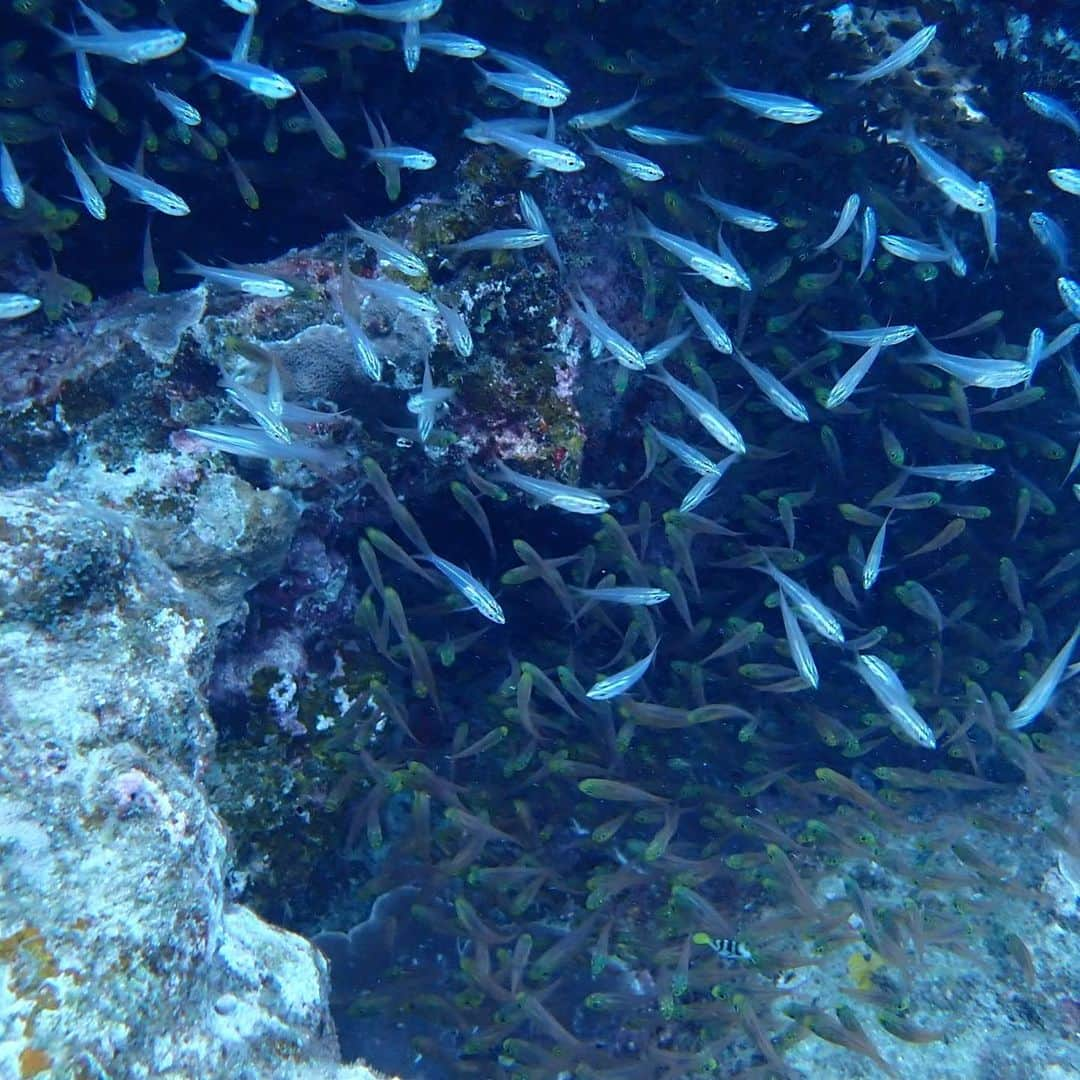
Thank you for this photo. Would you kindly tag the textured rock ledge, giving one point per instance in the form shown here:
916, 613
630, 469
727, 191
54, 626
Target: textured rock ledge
121, 954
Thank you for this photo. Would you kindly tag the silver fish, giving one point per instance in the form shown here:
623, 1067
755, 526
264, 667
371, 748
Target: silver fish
15, 305
10, 185
891, 693
524, 87
844, 222
598, 118
551, 493
956, 474
720, 269
1038, 697
798, 646
778, 107
774, 389
704, 412
391, 252
1052, 109
753, 220
260, 80
619, 683
475, 593
129, 46
177, 107
142, 188
400, 10
501, 240
899, 58
631, 595
1068, 180
246, 280
808, 607
641, 168
88, 192
446, 43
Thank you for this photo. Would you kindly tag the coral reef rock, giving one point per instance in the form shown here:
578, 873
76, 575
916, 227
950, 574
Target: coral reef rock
138, 964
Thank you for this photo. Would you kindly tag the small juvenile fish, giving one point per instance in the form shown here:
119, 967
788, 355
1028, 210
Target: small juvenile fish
330, 139
525, 88
1050, 108
346, 303
899, 58
778, 107
476, 594
551, 493
15, 305
641, 168
1069, 291
912, 250
617, 791
619, 683
663, 349
689, 455
950, 179
243, 185
246, 280
984, 322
